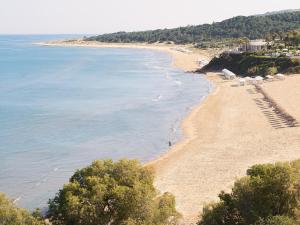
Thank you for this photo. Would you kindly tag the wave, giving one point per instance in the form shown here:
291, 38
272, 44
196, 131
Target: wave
178, 83
157, 98
174, 129
168, 76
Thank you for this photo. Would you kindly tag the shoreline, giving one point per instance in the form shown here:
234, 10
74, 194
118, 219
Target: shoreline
223, 135
184, 57
188, 133
220, 143
187, 128
177, 57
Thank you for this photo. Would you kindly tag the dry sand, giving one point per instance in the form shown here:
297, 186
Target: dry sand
224, 135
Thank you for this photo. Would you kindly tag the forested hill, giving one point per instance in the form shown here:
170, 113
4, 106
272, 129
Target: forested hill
252, 27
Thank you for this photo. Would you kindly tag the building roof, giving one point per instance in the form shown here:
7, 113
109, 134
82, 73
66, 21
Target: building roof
258, 42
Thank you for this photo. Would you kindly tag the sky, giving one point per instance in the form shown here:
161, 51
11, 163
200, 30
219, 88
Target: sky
103, 16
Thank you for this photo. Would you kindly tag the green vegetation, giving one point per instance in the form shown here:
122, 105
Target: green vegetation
11, 215
253, 64
284, 43
292, 38
251, 27
277, 220
284, 39
268, 195
223, 43
120, 193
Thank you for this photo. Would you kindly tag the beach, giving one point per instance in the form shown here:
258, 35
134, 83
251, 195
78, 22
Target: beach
226, 135
223, 136
183, 57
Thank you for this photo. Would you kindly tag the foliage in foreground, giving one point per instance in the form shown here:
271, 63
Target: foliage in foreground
277, 220
268, 195
11, 215
120, 193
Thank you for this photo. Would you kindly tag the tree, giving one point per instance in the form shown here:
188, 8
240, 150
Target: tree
267, 191
252, 27
11, 215
277, 220
293, 38
108, 193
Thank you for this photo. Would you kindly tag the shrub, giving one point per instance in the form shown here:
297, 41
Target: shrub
112, 193
293, 70
11, 215
251, 64
253, 70
277, 220
267, 190
271, 71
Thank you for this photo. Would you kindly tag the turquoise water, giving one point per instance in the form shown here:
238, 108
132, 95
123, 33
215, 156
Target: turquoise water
61, 108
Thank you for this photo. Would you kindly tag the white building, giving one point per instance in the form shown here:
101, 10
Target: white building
255, 45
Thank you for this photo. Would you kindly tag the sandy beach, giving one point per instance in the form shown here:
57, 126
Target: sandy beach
223, 136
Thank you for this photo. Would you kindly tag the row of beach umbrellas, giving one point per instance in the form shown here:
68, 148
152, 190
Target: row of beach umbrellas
259, 79
229, 75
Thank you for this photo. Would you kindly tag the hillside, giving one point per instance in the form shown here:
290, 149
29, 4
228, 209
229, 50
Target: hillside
279, 12
252, 27
248, 64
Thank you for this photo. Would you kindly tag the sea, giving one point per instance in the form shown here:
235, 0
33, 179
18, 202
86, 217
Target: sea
63, 107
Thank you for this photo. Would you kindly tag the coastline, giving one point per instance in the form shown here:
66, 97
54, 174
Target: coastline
183, 57
223, 135
186, 61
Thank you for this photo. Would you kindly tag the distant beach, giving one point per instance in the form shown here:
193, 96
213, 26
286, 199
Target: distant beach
224, 135
185, 57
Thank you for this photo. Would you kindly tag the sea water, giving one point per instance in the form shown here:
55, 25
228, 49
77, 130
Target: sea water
63, 107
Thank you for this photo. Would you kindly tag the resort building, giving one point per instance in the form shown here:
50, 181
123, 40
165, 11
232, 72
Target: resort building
254, 45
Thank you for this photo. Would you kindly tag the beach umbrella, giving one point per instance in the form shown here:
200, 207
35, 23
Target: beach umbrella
242, 82
280, 76
259, 79
269, 77
249, 80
